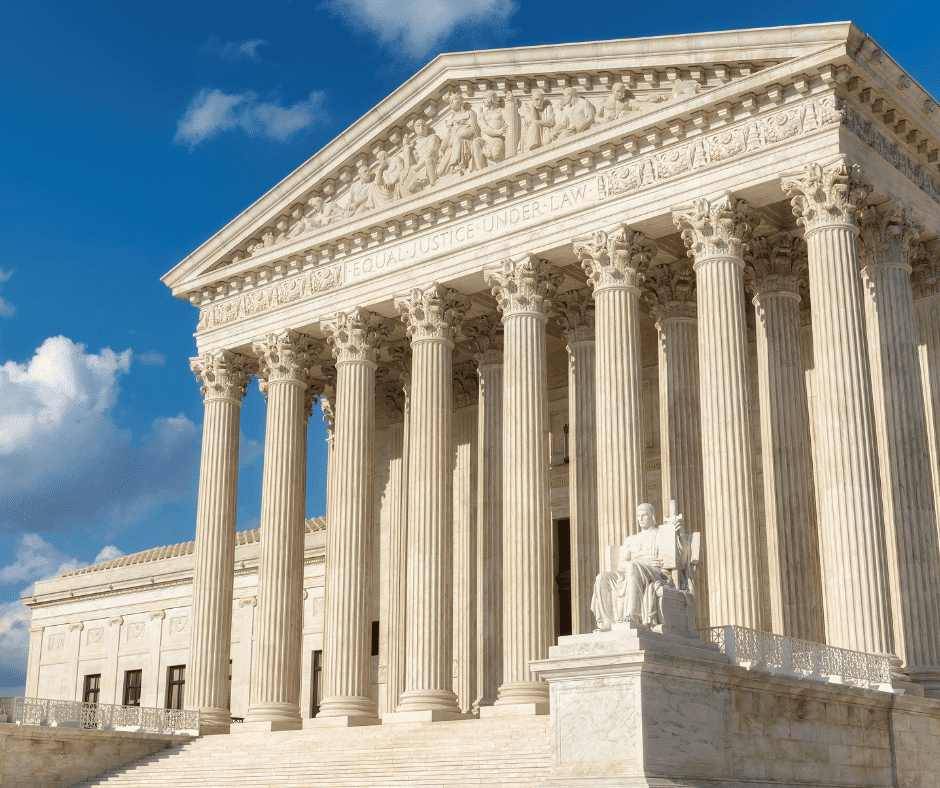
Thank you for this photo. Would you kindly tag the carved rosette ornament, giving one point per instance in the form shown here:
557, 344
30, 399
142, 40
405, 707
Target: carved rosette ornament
524, 286
283, 356
826, 194
775, 264
485, 335
574, 312
925, 274
616, 259
432, 314
887, 234
715, 228
670, 291
223, 374
356, 335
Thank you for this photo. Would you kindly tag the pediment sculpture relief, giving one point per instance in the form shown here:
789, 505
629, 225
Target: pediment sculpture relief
651, 581
467, 137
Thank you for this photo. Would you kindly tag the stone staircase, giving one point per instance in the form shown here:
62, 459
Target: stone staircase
500, 752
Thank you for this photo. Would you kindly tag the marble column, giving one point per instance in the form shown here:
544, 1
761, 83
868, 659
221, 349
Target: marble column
486, 339
355, 337
574, 310
613, 263
275, 690
670, 295
851, 529
925, 280
775, 268
398, 530
465, 534
524, 289
225, 377
431, 316
714, 232
913, 552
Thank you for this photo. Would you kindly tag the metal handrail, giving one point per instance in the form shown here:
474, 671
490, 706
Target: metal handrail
100, 716
778, 654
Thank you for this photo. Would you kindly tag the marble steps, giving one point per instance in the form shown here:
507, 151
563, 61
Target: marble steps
490, 753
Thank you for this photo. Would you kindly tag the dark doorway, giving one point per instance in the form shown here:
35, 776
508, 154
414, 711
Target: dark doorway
563, 578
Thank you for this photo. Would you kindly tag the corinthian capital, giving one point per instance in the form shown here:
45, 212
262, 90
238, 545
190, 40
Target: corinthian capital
670, 290
466, 385
284, 356
485, 335
775, 264
824, 194
616, 259
524, 286
925, 276
432, 313
574, 312
715, 228
887, 233
223, 374
355, 335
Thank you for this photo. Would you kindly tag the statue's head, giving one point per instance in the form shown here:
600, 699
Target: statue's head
421, 128
619, 90
538, 97
646, 515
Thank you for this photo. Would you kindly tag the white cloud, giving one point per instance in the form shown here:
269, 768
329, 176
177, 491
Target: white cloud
35, 559
212, 111
419, 24
152, 358
63, 460
6, 308
233, 50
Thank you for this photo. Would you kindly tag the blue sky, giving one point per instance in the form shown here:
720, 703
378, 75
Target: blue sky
134, 131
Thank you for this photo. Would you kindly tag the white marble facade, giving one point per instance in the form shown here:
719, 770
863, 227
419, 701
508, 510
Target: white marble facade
544, 286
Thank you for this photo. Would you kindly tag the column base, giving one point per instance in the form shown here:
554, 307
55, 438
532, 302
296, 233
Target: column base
425, 715
926, 680
348, 706
284, 715
513, 693
515, 710
213, 720
346, 721
428, 700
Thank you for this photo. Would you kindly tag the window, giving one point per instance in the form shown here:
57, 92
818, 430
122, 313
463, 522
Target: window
375, 638
132, 680
175, 680
92, 688
316, 683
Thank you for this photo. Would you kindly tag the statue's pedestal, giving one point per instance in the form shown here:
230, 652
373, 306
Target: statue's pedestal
632, 708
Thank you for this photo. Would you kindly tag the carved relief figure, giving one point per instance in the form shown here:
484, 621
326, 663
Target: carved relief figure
577, 114
617, 105
462, 150
360, 193
318, 214
493, 126
538, 117
421, 157
648, 562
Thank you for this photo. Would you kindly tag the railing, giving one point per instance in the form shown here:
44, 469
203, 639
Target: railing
103, 716
765, 651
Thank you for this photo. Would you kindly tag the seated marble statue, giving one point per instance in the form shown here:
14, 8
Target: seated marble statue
653, 584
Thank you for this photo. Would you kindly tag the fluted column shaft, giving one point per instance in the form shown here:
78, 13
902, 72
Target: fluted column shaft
574, 310
465, 556
913, 552
927, 315
430, 316
789, 507
490, 534
851, 531
275, 691
613, 263
714, 232
347, 627
225, 376
524, 290
680, 432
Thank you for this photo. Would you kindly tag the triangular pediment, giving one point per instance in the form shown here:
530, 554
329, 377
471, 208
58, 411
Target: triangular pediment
479, 119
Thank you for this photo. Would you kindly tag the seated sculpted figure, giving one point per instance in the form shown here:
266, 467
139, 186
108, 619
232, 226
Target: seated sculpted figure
654, 578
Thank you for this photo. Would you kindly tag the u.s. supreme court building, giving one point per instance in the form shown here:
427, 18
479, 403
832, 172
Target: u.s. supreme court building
529, 291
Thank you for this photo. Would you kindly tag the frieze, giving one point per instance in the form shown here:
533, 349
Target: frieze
757, 133
891, 152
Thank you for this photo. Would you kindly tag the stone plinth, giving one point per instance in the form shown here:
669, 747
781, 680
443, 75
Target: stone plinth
633, 709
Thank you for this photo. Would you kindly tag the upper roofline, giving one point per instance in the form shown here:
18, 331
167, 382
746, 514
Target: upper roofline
701, 47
